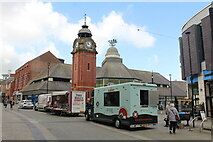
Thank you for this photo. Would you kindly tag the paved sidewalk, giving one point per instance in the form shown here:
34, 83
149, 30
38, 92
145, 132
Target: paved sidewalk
189, 132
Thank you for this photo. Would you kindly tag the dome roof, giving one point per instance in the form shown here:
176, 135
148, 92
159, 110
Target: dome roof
84, 32
112, 52
112, 66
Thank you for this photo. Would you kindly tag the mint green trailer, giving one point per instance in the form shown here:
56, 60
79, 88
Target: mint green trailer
131, 104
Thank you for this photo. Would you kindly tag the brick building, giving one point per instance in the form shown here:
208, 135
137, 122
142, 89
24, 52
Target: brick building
30, 69
7, 85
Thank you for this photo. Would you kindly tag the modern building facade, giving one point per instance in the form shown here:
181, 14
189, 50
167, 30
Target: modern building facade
196, 49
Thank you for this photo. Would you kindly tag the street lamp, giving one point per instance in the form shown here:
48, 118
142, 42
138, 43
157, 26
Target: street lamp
191, 77
48, 69
152, 77
170, 86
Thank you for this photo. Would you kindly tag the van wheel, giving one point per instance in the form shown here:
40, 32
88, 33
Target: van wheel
87, 117
117, 123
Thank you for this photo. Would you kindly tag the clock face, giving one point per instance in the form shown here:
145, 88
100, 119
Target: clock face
88, 44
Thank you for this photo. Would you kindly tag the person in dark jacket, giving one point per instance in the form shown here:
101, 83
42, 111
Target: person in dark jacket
5, 102
173, 115
11, 103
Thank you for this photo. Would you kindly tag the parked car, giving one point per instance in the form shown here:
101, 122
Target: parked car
25, 104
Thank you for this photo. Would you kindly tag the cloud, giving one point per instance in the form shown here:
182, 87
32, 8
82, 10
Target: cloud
113, 26
153, 59
10, 58
50, 46
30, 29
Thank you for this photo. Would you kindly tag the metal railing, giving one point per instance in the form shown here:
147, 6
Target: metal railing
201, 124
191, 122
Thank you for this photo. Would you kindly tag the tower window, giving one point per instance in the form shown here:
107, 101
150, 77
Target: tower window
88, 66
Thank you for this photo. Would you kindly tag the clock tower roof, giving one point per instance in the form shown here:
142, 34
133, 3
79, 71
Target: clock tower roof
84, 32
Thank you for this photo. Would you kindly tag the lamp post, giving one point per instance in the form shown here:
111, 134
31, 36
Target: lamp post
191, 77
48, 69
152, 77
170, 75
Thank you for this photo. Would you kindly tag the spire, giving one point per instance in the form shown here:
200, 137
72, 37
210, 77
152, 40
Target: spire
85, 19
84, 32
85, 22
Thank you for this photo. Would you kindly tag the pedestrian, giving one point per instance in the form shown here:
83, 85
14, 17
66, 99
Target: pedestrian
173, 116
167, 119
5, 102
11, 104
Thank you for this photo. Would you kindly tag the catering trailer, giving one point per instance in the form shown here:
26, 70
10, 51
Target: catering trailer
66, 102
128, 104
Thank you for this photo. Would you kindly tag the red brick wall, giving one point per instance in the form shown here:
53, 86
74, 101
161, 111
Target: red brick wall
30, 69
22, 76
10, 90
3, 88
84, 77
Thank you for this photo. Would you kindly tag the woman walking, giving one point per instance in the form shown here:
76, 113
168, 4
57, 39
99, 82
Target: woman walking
173, 116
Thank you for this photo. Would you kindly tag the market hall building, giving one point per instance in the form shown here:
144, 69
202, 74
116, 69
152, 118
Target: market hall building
112, 71
196, 48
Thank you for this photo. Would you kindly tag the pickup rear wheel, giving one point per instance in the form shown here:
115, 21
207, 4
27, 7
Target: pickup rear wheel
117, 123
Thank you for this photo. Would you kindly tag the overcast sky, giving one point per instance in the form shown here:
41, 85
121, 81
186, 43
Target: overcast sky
147, 33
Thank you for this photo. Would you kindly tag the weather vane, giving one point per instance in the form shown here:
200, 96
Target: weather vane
112, 42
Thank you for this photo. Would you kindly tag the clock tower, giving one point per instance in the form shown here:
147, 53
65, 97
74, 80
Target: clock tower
84, 61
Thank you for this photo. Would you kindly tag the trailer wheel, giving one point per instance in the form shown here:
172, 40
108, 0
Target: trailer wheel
87, 117
117, 123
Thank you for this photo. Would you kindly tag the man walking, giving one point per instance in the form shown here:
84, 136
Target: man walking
11, 103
